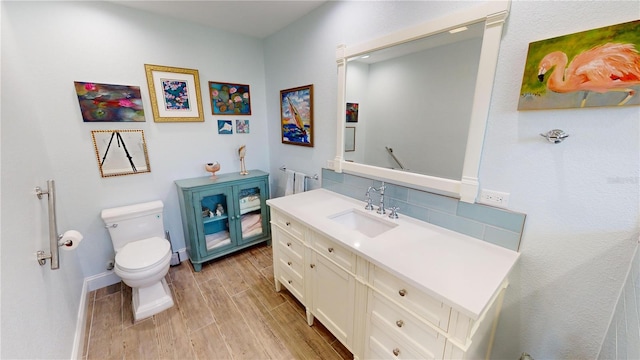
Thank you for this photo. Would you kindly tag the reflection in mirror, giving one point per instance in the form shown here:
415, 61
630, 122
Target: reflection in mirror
424, 94
415, 102
350, 139
120, 152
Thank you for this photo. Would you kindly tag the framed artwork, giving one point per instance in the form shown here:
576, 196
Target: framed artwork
225, 127
352, 112
598, 67
296, 115
109, 103
175, 94
242, 126
120, 152
229, 99
349, 139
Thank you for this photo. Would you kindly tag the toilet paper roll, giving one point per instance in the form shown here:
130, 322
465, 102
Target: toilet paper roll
70, 240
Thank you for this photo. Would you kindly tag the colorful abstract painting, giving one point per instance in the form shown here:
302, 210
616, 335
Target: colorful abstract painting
598, 67
352, 112
229, 99
225, 127
242, 126
296, 115
109, 103
176, 94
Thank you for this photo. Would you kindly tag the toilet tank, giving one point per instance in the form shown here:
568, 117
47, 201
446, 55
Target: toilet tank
134, 222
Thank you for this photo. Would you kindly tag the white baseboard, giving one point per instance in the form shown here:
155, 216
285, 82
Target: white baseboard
89, 284
78, 340
99, 281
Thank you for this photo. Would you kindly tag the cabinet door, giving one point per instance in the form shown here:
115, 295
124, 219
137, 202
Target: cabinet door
250, 219
333, 297
215, 207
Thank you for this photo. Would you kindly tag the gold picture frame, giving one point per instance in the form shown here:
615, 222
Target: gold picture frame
175, 94
120, 152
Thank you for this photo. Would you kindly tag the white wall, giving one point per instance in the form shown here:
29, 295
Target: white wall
581, 197
46, 46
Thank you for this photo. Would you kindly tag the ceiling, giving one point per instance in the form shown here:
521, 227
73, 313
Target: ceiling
257, 18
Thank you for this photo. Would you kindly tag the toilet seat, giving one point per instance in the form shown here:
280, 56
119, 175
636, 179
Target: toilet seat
143, 254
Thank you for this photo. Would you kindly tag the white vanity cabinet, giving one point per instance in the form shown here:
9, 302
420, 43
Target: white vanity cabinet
318, 272
333, 287
415, 291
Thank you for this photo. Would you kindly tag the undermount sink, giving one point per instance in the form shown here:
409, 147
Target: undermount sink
366, 224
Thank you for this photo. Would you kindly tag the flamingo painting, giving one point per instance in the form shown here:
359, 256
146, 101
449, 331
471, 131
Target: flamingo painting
604, 68
598, 67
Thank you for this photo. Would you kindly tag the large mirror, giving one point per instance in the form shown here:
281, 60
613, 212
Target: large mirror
422, 96
120, 152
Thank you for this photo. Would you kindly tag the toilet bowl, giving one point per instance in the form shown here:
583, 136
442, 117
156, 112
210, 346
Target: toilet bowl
142, 256
143, 265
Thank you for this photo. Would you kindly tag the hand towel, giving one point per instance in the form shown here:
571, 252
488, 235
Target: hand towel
288, 189
299, 182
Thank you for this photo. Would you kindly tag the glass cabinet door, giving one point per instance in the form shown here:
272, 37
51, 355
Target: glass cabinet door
215, 223
251, 213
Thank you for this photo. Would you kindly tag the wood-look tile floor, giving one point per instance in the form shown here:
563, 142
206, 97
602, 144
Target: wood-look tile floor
229, 310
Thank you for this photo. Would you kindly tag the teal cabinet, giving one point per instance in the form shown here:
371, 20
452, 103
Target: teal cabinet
223, 215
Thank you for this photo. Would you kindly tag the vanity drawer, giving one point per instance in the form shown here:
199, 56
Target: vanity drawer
288, 224
383, 346
409, 329
289, 245
430, 309
291, 264
293, 282
336, 253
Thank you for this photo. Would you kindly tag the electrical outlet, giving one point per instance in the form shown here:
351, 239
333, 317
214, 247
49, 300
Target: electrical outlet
494, 198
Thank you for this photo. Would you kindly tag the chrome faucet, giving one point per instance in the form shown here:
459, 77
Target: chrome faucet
381, 207
369, 205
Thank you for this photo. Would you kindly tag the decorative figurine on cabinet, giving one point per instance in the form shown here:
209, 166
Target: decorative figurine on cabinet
242, 151
213, 168
219, 210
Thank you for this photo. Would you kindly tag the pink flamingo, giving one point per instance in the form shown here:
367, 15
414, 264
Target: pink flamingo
604, 68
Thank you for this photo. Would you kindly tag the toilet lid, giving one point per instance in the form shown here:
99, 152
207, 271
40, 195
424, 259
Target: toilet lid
140, 254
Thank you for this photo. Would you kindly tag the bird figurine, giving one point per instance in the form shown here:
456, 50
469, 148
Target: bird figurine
241, 152
212, 168
603, 68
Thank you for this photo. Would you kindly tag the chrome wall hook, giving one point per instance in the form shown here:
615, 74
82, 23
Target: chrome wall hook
555, 136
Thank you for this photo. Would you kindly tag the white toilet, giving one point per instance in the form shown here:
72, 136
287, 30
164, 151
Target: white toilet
143, 255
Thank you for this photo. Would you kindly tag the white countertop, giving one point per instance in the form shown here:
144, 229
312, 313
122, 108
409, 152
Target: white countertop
458, 269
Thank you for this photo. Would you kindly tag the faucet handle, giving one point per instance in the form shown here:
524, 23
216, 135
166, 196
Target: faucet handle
369, 205
394, 212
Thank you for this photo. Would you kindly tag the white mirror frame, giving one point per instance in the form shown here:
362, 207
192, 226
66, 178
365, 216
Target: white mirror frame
494, 13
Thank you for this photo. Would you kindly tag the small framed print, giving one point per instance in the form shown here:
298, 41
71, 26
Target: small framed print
242, 126
352, 112
225, 127
175, 94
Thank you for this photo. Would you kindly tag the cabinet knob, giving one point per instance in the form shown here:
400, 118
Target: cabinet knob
288, 244
396, 352
402, 292
400, 323
288, 223
289, 263
312, 265
330, 250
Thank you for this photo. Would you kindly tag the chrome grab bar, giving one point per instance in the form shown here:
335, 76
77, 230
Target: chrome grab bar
390, 151
54, 237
